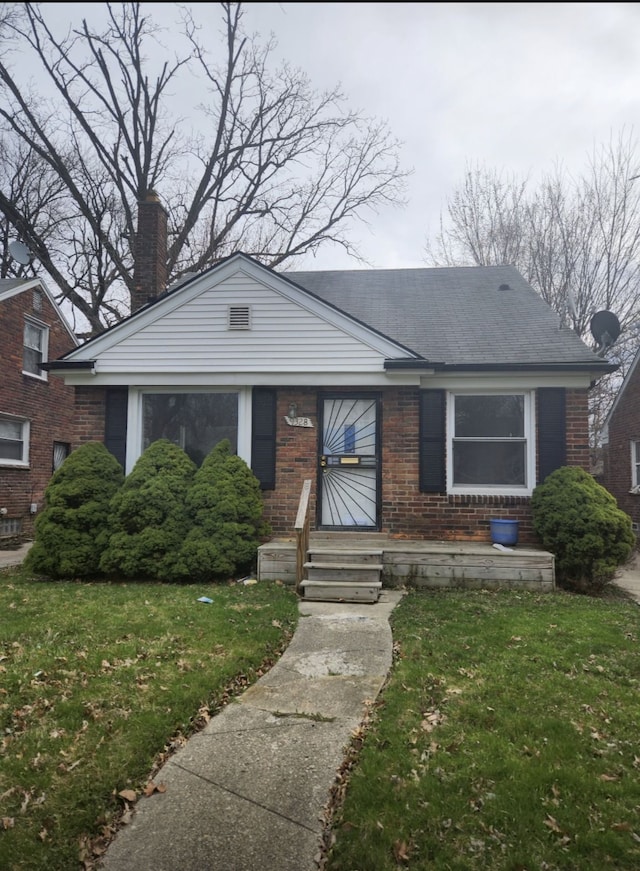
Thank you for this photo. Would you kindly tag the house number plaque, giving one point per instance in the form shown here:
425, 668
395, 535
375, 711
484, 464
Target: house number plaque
299, 421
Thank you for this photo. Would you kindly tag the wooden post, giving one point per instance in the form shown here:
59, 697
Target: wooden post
302, 532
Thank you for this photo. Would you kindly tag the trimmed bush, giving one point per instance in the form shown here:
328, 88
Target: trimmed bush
71, 532
148, 516
579, 521
225, 510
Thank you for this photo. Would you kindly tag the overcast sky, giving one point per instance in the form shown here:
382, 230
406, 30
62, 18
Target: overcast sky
514, 86
517, 87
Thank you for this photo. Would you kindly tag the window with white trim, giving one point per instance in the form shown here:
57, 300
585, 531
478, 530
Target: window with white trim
35, 348
635, 466
14, 441
491, 444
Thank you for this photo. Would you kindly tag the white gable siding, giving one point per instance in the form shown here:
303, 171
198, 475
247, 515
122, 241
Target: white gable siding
284, 337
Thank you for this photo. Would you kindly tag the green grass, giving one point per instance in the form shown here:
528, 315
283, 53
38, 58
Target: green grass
506, 738
101, 682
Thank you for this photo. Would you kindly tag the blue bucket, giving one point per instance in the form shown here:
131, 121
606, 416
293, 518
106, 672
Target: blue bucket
504, 531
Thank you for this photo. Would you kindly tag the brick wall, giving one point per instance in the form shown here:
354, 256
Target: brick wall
624, 427
89, 409
296, 460
48, 405
578, 451
405, 510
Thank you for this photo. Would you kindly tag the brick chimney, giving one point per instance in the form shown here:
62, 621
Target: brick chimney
150, 252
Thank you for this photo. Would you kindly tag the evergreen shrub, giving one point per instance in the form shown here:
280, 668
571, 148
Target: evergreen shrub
225, 509
71, 532
579, 521
148, 516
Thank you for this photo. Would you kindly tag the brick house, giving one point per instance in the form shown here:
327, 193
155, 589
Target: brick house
36, 411
420, 402
621, 473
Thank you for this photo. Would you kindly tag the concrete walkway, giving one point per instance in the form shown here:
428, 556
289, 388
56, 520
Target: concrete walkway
248, 792
9, 558
628, 576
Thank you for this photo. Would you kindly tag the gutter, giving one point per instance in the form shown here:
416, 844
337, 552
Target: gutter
70, 366
604, 368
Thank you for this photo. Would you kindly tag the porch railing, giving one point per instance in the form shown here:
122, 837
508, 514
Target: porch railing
302, 532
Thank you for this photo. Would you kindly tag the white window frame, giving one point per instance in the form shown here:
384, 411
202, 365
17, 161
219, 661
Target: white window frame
43, 329
134, 417
528, 437
25, 426
635, 466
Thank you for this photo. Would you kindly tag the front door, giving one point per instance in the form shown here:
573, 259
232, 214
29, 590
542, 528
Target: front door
349, 466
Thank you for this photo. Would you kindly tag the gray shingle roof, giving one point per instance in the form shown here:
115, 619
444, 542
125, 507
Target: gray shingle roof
453, 315
11, 283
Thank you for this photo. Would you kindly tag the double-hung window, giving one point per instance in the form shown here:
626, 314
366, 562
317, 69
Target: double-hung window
35, 348
491, 444
14, 441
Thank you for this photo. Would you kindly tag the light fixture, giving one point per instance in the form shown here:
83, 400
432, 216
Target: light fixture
293, 411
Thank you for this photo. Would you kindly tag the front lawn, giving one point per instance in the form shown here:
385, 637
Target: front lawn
507, 738
99, 683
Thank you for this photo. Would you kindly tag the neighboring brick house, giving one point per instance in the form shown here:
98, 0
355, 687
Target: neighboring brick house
621, 475
36, 411
421, 402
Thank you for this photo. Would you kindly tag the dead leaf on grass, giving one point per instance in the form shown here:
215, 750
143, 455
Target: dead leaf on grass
401, 851
128, 795
552, 823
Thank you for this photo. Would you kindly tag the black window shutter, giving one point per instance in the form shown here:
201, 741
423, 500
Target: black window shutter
552, 430
115, 422
263, 437
433, 478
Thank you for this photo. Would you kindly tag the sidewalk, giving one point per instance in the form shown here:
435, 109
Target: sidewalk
248, 792
10, 558
628, 577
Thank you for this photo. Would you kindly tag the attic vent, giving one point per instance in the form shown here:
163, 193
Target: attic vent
504, 287
239, 317
37, 301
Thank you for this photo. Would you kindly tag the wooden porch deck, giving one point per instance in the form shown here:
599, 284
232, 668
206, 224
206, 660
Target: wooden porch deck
424, 564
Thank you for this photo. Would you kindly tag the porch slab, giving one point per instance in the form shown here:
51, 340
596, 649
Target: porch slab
426, 564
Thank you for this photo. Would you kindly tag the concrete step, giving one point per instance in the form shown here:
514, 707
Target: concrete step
342, 537
328, 554
352, 572
339, 591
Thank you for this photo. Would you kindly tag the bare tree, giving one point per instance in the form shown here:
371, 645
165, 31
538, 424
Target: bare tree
576, 240
271, 167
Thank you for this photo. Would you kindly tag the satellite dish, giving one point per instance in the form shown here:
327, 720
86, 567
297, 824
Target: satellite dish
20, 252
605, 328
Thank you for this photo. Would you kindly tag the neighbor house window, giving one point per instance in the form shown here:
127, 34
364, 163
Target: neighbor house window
10, 526
491, 444
35, 346
14, 441
635, 466
61, 451
194, 421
